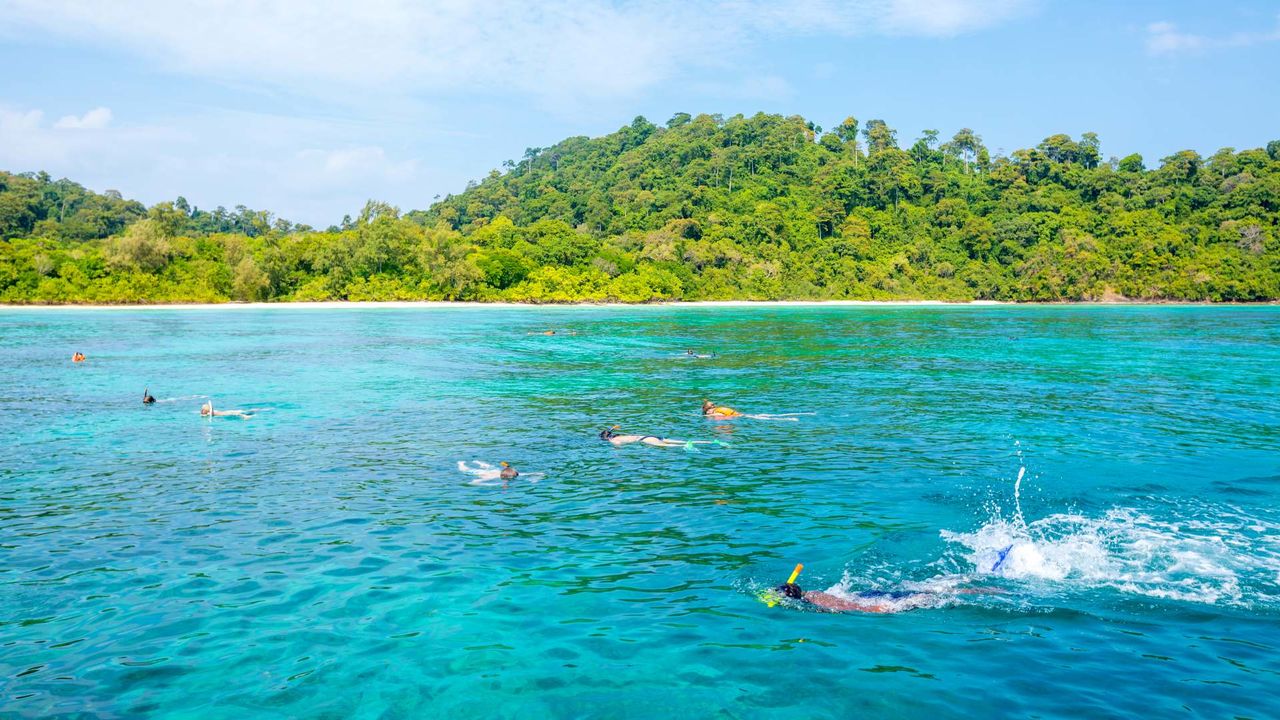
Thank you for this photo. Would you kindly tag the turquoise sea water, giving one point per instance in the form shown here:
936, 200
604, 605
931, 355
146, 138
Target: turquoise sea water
327, 558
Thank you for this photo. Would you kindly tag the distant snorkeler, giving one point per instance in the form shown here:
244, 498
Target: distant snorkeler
206, 410
693, 355
146, 397
873, 601
486, 474
721, 412
77, 357
712, 410
610, 435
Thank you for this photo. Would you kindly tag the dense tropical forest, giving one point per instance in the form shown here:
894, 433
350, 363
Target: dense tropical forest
706, 208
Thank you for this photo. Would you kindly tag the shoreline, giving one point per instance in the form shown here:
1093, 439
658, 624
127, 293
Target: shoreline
447, 304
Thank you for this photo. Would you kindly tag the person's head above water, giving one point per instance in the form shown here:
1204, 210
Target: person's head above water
207, 408
146, 396
608, 433
790, 590
707, 406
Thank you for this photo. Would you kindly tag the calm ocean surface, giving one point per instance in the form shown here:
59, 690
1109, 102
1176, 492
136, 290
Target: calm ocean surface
327, 557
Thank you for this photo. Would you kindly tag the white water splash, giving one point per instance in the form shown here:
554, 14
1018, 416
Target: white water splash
1017, 497
1218, 559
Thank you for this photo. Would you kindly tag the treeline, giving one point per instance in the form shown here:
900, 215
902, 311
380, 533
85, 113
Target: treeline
765, 207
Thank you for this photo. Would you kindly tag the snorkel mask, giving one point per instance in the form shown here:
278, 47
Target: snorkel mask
788, 590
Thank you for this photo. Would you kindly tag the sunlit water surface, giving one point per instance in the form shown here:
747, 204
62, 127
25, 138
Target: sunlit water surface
327, 558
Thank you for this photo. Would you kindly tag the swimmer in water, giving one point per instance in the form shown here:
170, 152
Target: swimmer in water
146, 397
486, 474
610, 435
77, 357
718, 412
206, 410
873, 601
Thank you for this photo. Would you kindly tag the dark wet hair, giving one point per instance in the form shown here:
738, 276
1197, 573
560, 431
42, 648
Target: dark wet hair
791, 590
607, 433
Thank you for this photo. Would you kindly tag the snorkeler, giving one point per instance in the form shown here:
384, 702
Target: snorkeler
486, 474
694, 355
712, 410
721, 412
77, 357
206, 410
146, 397
613, 437
872, 601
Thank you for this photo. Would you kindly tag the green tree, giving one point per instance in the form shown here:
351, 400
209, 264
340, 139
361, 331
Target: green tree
880, 137
144, 246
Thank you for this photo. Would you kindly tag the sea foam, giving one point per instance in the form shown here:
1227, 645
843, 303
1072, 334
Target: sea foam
1217, 556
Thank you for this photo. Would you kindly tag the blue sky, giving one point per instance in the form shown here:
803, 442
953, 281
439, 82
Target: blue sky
308, 109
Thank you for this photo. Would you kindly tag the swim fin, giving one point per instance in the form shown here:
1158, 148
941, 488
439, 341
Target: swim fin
1000, 561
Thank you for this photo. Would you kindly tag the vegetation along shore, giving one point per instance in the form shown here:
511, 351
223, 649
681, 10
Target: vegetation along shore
704, 208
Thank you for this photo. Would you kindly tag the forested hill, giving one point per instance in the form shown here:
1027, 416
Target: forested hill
766, 207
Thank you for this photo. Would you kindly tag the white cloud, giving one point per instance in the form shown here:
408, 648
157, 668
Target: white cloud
1164, 38
552, 49
95, 119
345, 166
26, 143
924, 18
944, 18
16, 121
385, 72
764, 87
303, 169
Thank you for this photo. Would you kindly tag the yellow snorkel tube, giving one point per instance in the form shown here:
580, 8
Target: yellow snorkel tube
771, 597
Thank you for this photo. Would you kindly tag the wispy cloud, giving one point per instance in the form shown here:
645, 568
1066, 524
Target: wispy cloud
27, 142
1164, 38
306, 170
944, 18
95, 119
554, 48
343, 167
368, 81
